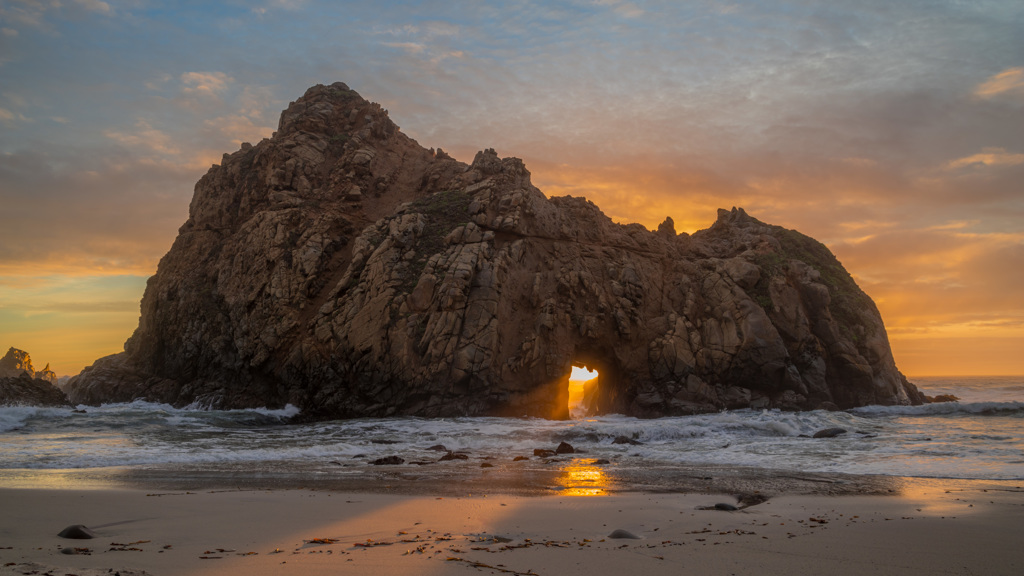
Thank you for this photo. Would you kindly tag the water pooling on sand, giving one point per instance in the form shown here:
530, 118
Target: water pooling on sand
981, 437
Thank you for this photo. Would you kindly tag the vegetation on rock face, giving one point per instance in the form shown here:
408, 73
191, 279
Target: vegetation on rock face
444, 211
846, 297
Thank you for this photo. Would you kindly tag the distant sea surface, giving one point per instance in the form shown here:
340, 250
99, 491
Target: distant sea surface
979, 437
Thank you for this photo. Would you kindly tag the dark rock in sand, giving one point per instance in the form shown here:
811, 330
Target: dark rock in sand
725, 507
829, 433
626, 440
620, 533
748, 500
438, 448
520, 458
601, 462
388, 461
487, 465
564, 448
453, 456
77, 532
543, 452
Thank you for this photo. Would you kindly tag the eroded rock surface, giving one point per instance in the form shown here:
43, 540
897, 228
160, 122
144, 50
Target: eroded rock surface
21, 385
342, 268
15, 363
25, 391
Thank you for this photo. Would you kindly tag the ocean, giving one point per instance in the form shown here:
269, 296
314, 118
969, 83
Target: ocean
981, 437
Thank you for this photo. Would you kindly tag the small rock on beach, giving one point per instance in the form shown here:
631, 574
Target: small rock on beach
77, 532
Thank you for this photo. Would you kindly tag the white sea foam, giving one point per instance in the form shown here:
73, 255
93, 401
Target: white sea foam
978, 408
980, 438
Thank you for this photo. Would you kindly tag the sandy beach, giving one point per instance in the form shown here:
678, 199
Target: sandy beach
927, 527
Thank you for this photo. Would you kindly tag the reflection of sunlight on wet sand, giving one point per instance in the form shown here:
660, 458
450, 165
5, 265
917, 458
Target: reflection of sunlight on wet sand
579, 479
61, 479
942, 498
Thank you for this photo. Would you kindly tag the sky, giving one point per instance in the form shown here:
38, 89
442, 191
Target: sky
891, 131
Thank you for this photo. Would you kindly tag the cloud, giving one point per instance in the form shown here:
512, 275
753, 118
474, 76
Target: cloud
89, 212
6, 114
145, 136
33, 13
941, 278
9, 32
287, 5
206, 84
239, 128
627, 9
409, 47
988, 157
159, 82
1009, 80
257, 102
94, 6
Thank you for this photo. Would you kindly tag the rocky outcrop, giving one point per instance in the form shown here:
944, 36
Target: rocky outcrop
21, 385
340, 267
47, 375
15, 363
25, 391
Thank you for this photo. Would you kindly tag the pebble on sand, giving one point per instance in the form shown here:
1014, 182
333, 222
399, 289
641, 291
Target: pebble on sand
77, 532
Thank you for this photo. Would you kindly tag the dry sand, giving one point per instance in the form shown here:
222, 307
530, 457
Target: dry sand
931, 527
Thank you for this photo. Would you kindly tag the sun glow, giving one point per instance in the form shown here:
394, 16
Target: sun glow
581, 374
577, 379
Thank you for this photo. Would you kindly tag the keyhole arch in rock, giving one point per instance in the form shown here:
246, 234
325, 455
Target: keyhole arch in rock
583, 383
593, 397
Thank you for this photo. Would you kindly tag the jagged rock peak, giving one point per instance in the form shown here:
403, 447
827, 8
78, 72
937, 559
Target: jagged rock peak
341, 267
15, 363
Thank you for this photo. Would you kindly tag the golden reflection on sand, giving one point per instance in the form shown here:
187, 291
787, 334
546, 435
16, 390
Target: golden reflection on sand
581, 477
947, 497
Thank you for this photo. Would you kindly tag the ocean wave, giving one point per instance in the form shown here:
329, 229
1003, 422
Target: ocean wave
941, 408
288, 411
15, 417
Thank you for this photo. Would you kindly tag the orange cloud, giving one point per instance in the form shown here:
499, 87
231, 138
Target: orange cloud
988, 157
239, 128
1009, 80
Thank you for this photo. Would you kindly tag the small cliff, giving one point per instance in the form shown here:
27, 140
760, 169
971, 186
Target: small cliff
20, 384
341, 267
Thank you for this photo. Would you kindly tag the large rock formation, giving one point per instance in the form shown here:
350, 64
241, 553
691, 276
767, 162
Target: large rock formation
340, 267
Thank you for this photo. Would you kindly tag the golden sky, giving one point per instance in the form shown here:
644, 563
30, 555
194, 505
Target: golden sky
891, 131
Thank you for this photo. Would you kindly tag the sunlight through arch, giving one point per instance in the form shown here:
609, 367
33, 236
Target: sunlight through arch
581, 379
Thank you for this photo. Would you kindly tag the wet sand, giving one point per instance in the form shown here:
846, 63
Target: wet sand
552, 525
